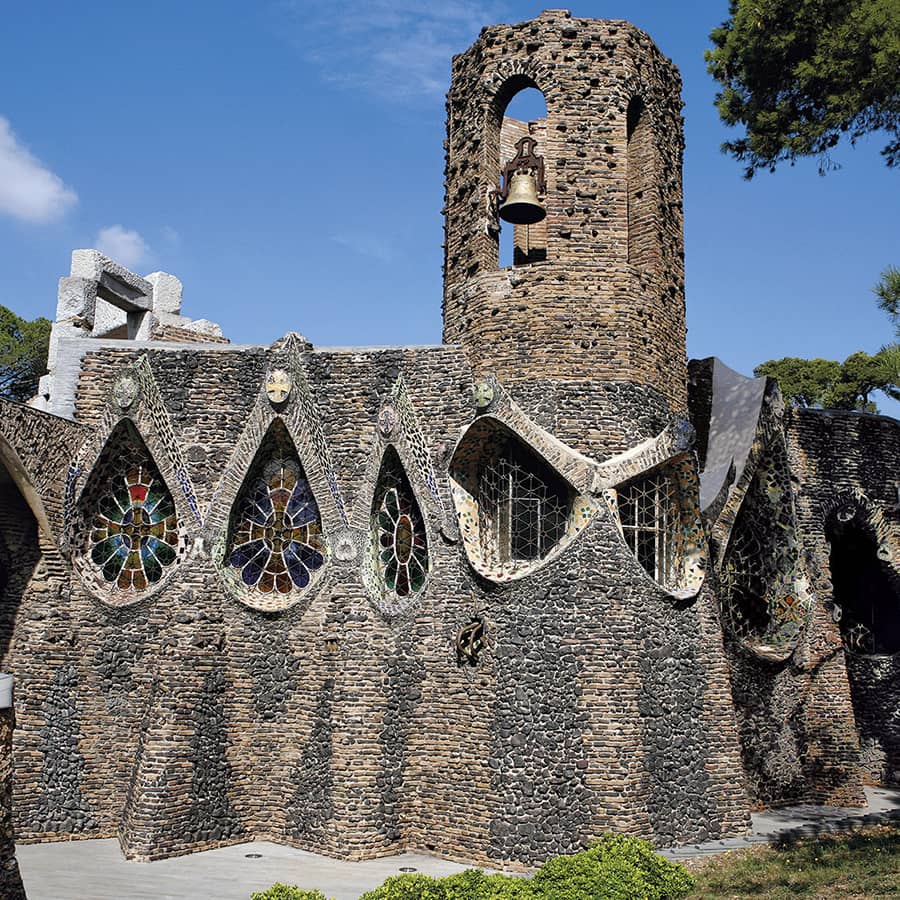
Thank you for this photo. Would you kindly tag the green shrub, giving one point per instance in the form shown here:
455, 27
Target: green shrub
615, 868
280, 891
473, 884
408, 887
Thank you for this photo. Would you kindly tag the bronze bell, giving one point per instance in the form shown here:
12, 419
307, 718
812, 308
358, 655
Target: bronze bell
521, 206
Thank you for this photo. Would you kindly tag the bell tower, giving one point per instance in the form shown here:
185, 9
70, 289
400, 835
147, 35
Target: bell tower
593, 316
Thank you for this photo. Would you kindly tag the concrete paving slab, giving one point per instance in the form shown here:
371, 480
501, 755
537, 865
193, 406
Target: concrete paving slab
97, 870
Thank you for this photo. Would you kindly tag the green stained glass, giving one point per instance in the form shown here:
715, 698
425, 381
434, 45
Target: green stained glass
128, 504
398, 531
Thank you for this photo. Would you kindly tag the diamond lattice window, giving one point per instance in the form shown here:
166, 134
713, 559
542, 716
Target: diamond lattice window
276, 537
524, 506
648, 511
399, 531
133, 533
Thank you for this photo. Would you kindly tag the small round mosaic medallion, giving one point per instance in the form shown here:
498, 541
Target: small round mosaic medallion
483, 394
125, 391
278, 386
387, 421
345, 546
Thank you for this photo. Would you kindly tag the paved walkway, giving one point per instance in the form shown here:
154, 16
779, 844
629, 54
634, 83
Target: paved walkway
96, 870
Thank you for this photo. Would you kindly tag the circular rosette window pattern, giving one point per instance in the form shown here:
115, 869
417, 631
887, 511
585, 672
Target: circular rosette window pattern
398, 565
132, 536
277, 543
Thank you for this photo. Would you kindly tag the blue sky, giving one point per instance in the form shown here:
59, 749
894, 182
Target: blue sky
284, 159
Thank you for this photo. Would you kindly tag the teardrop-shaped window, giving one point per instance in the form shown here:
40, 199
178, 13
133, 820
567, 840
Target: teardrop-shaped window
129, 526
514, 510
399, 545
275, 543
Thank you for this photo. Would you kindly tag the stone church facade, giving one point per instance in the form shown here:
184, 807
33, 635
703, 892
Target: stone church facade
490, 598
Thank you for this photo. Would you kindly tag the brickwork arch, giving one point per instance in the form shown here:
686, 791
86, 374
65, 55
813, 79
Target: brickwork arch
18, 474
865, 583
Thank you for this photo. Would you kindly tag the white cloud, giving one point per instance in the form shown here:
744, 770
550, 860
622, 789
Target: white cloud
366, 245
398, 49
122, 245
28, 189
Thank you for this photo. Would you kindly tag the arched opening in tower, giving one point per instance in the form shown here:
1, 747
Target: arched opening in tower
525, 115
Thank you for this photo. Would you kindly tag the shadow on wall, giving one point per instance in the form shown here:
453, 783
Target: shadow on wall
19, 555
867, 602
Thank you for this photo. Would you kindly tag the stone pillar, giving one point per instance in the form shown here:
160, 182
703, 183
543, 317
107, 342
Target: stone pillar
11, 887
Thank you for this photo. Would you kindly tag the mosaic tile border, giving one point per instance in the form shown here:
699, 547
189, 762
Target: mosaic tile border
572, 467
397, 426
301, 419
134, 397
691, 541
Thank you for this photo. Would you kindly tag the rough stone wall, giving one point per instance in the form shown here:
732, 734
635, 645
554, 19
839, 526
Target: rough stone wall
849, 455
176, 334
11, 887
586, 315
41, 448
189, 720
798, 737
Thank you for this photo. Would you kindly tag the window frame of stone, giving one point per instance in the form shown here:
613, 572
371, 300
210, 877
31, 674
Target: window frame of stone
387, 597
504, 532
664, 533
124, 438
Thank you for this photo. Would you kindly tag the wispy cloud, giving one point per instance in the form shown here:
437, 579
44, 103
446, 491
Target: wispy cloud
366, 245
29, 191
122, 245
397, 49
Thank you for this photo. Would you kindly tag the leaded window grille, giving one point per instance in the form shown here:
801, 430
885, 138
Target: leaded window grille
276, 543
648, 512
399, 531
133, 534
524, 505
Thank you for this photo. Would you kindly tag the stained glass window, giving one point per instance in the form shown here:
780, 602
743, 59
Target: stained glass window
524, 506
649, 514
401, 544
276, 541
133, 535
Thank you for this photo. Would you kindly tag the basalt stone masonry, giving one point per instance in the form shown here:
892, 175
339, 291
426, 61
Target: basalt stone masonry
489, 599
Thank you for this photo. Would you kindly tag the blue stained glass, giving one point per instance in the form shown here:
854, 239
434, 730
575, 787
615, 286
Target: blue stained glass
253, 570
241, 555
130, 508
310, 558
277, 512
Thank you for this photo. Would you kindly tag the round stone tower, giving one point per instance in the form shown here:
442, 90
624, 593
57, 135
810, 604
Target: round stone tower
586, 330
